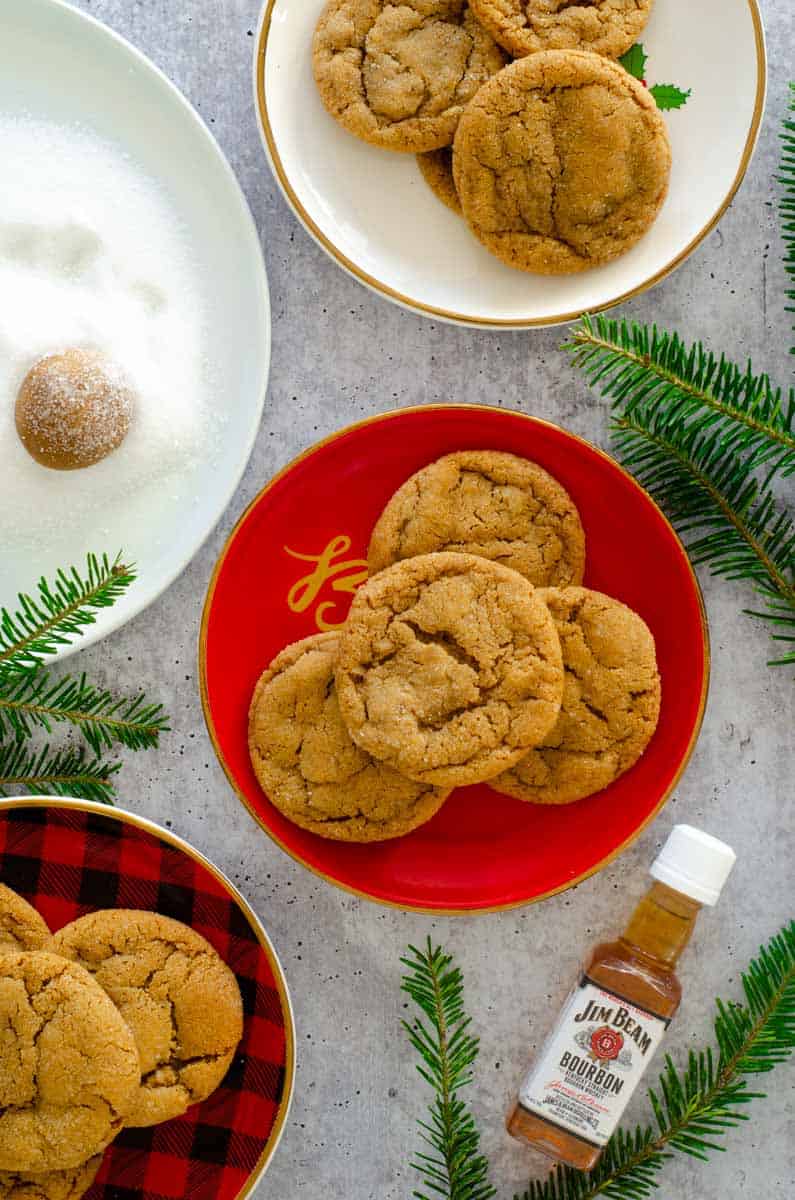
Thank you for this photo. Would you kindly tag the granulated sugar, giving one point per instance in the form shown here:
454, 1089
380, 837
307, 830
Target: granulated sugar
92, 256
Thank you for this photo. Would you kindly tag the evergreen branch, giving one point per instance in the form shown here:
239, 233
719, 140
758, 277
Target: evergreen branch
728, 516
454, 1168
695, 1108
30, 701
708, 440
637, 366
65, 772
787, 202
59, 612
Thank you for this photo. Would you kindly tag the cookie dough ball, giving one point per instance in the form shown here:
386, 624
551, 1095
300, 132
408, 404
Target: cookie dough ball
178, 997
306, 762
449, 668
611, 701
398, 75
606, 27
21, 927
73, 409
68, 1064
561, 162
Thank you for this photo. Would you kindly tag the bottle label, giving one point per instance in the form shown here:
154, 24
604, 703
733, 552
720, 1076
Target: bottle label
592, 1062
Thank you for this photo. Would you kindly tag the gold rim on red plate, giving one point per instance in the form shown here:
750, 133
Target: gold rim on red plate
165, 835
205, 699
390, 293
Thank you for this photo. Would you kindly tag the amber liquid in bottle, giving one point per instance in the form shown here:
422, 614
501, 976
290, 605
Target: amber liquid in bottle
639, 967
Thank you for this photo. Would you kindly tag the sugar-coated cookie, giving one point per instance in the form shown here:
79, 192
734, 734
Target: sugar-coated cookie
611, 701
449, 668
561, 162
399, 74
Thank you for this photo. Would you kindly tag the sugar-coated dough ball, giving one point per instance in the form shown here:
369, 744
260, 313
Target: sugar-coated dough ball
73, 409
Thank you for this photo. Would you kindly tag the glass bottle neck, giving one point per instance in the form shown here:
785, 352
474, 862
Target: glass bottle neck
662, 924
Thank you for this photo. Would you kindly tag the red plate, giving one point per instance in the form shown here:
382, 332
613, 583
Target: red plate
289, 569
68, 857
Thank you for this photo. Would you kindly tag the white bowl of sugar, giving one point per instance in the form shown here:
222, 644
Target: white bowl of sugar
122, 230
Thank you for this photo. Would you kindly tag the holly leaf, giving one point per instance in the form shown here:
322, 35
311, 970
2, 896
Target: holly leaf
635, 60
669, 96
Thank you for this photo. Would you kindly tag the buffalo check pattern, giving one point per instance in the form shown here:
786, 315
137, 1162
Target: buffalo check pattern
67, 862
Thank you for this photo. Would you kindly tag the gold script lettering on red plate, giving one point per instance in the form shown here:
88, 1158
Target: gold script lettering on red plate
332, 571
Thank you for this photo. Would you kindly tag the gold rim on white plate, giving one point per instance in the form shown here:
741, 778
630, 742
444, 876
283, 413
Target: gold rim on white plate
482, 322
165, 835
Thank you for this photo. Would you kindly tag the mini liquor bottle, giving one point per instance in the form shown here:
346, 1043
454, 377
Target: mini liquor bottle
573, 1097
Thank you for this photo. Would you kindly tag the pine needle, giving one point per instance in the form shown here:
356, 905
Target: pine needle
787, 202
708, 440
66, 772
642, 367
696, 1107
28, 702
31, 700
454, 1168
60, 611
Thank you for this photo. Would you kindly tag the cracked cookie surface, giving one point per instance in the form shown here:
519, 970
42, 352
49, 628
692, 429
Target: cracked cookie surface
21, 927
611, 701
398, 75
523, 27
53, 1185
68, 1064
178, 997
449, 668
308, 764
436, 168
561, 162
485, 502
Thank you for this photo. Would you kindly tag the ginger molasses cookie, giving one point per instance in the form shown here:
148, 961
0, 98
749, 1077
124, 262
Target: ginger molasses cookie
489, 503
606, 27
399, 74
311, 769
21, 927
54, 1185
178, 997
449, 668
611, 701
436, 168
561, 162
68, 1064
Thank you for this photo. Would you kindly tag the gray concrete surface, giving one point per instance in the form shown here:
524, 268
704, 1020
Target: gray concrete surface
340, 353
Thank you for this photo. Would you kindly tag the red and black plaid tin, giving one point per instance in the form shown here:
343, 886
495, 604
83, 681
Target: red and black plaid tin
68, 858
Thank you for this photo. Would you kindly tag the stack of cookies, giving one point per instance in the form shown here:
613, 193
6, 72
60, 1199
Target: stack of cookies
558, 161
472, 654
122, 1018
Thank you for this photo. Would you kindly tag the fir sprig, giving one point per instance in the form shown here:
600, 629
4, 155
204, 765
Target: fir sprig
637, 367
693, 1109
455, 1168
67, 772
707, 439
30, 699
28, 702
787, 202
696, 1107
60, 611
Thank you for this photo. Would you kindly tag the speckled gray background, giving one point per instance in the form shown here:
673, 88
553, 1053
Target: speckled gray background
340, 353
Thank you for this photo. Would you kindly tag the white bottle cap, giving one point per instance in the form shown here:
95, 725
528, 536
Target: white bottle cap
694, 863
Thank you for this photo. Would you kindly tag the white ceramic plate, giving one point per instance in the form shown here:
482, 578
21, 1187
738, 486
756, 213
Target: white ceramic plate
373, 213
56, 64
